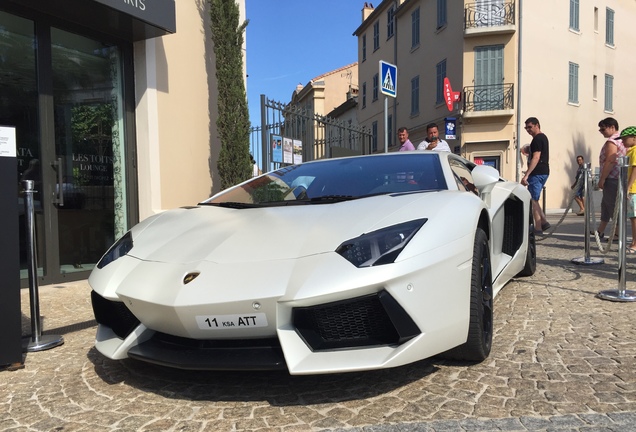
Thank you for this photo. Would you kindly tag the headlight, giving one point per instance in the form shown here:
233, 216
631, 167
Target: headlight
379, 247
116, 251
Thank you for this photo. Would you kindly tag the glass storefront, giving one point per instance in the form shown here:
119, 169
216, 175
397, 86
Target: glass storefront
19, 109
63, 92
90, 192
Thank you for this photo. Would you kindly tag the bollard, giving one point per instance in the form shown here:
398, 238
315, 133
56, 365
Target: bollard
587, 191
37, 341
621, 294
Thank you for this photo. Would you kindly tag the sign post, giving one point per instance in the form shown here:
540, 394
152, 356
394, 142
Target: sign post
10, 311
388, 77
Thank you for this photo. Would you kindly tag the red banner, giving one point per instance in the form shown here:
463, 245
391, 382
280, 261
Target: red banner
449, 95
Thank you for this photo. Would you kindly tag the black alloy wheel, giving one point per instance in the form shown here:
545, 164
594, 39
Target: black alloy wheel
480, 331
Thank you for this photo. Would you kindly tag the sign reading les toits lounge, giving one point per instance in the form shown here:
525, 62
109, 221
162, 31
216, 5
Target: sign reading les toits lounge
159, 13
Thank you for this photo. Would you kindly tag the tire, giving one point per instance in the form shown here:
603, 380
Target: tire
477, 346
531, 255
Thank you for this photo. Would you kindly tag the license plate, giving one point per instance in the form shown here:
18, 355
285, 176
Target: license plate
236, 321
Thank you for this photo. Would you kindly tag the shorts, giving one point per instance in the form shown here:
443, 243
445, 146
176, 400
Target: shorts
579, 193
535, 185
631, 205
608, 203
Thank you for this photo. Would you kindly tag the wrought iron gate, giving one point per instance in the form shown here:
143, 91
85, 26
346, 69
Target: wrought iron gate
321, 136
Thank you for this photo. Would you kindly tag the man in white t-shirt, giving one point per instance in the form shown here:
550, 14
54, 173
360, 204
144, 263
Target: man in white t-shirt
433, 141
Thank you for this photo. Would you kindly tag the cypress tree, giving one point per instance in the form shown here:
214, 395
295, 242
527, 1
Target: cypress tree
234, 164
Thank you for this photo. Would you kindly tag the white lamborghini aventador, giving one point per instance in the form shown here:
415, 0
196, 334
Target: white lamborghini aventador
328, 266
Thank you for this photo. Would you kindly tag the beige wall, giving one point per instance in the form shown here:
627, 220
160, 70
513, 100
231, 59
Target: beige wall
324, 93
572, 128
327, 91
491, 133
374, 110
177, 142
435, 46
541, 85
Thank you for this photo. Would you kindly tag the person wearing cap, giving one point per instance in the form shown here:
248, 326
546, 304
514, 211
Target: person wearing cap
628, 136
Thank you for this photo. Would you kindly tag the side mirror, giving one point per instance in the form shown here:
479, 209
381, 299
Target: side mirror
484, 175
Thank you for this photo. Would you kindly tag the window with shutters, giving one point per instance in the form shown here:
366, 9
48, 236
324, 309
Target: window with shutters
574, 15
609, 93
415, 95
440, 74
573, 83
489, 88
415, 28
609, 27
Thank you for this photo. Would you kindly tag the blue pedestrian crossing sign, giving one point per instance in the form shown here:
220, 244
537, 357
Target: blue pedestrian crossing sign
388, 78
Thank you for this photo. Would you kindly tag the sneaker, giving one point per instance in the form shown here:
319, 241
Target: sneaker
600, 235
546, 226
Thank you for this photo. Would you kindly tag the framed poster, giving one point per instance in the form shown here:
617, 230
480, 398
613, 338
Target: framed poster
7, 141
298, 151
287, 150
277, 148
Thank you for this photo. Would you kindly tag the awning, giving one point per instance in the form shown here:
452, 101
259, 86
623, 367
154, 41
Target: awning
157, 13
132, 20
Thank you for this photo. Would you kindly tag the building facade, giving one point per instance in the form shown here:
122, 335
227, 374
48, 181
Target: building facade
114, 108
321, 96
325, 92
566, 63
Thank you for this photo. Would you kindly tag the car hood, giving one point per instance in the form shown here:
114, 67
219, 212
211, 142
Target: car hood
226, 235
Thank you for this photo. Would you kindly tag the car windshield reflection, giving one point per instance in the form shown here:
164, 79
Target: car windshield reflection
336, 180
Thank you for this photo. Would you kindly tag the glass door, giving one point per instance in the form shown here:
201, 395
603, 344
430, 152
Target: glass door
63, 93
489, 13
89, 195
19, 109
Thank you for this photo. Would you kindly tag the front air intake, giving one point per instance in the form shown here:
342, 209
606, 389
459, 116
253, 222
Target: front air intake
114, 315
370, 320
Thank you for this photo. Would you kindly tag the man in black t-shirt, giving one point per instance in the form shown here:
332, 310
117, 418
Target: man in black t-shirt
538, 171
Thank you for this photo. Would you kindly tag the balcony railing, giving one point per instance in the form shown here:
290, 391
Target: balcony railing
494, 97
489, 14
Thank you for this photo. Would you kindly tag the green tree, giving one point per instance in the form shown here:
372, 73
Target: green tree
233, 123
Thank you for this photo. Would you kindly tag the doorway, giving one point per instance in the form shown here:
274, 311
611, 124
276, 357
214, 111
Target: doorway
64, 94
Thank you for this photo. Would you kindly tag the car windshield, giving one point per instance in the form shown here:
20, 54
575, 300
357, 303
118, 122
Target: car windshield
336, 180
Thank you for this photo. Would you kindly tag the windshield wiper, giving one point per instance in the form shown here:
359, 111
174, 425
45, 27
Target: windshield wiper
233, 204
331, 199
240, 205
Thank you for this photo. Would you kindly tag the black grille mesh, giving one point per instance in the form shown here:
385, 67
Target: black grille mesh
114, 315
515, 224
355, 322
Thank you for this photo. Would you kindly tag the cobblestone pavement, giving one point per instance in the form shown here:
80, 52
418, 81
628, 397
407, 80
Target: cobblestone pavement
562, 360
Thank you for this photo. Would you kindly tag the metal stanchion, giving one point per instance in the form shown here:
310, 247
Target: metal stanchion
587, 191
621, 294
37, 342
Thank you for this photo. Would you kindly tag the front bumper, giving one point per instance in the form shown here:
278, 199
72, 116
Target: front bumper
374, 320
